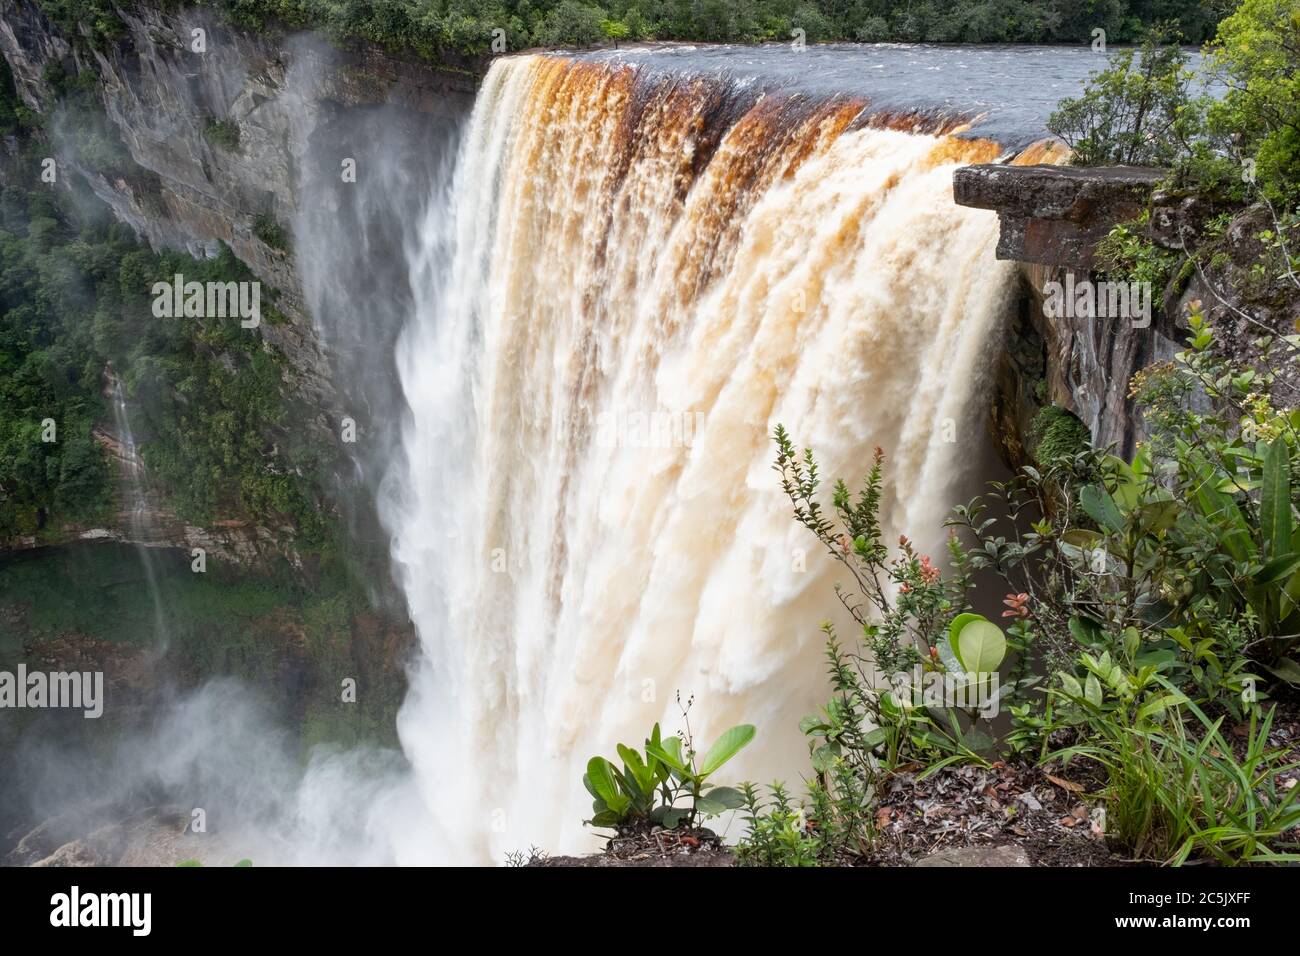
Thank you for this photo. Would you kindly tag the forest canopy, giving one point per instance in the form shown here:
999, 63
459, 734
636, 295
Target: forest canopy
433, 27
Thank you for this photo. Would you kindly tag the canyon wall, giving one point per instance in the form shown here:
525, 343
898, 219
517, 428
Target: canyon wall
218, 142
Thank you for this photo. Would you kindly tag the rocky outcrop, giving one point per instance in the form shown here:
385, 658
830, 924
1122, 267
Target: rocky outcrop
1055, 215
1052, 218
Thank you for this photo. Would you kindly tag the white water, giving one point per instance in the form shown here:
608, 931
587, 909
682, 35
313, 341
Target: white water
580, 269
142, 529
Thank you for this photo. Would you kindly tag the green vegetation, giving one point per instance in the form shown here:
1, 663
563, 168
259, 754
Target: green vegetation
647, 789
1057, 434
1242, 144
268, 229
1136, 112
434, 28
1150, 601
221, 430
272, 628
223, 133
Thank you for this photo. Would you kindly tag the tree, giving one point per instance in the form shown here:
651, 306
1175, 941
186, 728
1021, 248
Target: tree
1256, 55
1136, 112
572, 23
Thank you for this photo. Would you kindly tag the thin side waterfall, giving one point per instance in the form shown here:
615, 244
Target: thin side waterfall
144, 534
627, 284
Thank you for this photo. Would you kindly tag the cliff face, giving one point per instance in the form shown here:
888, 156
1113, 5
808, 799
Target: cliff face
219, 143
187, 189
1052, 218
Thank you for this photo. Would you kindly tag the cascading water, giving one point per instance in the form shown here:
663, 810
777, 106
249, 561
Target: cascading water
631, 279
143, 532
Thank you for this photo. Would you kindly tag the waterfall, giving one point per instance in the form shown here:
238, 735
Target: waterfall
628, 284
630, 280
141, 523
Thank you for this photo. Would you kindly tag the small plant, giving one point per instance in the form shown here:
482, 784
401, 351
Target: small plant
1057, 434
222, 132
778, 831
648, 788
269, 230
516, 859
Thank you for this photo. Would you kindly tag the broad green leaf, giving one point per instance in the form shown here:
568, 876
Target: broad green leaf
1092, 690
673, 817
1275, 499
726, 747
1083, 538
669, 751
600, 773
823, 758
1283, 566
1101, 507
980, 647
1287, 670
708, 807
1084, 631
812, 724
874, 738
729, 797
960, 621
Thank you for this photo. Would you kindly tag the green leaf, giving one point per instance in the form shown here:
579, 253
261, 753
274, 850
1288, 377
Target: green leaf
708, 807
606, 818
1275, 498
960, 621
812, 724
729, 797
1084, 631
600, 773
1159, 705
980, 647
1083, 538
1283, 566
669, 751
726, 747
874, 738
1101, 507
1092, 690
1286, 669
824, 757
673, 817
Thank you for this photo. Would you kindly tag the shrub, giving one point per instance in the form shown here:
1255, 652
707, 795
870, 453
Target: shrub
1136, 112
223, 133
